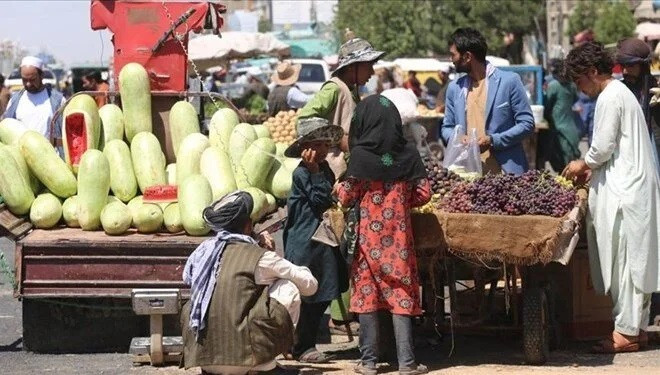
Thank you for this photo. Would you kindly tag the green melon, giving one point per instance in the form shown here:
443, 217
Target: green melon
93, 187
183, 122
46, 211
116, 218
135, 91
46, 164
122, 177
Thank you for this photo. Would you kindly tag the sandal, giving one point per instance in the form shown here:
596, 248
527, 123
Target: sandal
314, 356
618, 343
363, 369
420, 369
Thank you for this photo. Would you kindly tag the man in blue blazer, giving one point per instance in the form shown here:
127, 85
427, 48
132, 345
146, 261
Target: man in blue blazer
491, 101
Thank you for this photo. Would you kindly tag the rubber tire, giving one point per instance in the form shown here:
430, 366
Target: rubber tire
536, 326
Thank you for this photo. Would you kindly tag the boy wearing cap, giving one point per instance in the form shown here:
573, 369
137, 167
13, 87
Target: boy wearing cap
286, 95
310, 197
338, 97
36, 103
245, 300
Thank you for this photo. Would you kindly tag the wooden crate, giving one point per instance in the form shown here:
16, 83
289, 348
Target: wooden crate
12, 226
583, 314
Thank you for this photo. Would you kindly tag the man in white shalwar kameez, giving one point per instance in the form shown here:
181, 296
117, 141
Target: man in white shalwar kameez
624, 197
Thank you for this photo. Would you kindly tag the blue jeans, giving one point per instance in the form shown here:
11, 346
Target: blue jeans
403, 334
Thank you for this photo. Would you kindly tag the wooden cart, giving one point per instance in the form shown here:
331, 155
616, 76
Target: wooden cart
460, 254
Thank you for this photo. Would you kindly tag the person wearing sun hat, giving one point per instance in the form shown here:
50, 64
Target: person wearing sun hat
338, 97
286, 95
310, 197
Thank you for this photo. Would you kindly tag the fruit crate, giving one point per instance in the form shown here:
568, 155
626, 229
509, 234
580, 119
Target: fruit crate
12, 226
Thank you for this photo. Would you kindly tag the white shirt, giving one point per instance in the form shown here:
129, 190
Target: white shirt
296, 98
34, 111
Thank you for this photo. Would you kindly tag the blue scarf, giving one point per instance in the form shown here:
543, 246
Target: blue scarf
201, 271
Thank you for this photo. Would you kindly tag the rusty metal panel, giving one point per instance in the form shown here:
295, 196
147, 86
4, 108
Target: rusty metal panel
72, 263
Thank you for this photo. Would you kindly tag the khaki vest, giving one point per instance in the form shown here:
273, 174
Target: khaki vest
341, 115
244, 327
277, 100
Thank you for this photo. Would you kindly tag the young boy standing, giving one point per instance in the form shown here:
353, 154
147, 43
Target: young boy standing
310, 197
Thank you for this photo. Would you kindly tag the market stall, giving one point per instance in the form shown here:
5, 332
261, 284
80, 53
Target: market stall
465, 251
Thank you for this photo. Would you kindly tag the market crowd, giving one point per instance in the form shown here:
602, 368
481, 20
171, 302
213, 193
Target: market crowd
251, 302
353, 152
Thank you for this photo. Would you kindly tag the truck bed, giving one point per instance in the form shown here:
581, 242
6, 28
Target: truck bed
68, 262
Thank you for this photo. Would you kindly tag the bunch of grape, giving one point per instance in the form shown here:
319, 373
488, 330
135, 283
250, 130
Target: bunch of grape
440, 178
429, 207
532, 193
458, 199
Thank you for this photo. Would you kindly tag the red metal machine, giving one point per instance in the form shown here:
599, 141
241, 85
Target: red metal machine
155, 33
148, 32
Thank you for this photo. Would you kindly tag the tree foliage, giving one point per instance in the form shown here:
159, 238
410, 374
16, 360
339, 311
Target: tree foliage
614, 23
610, 20
418, 28
584, 16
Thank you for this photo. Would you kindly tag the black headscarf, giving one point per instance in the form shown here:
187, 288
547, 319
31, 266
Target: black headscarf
229, 213
378, 150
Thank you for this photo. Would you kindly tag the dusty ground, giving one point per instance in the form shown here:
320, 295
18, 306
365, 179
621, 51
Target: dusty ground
471, 354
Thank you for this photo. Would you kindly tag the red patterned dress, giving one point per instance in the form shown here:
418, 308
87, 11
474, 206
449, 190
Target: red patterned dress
384, 271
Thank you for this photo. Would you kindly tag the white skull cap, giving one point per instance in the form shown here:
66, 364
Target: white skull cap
32, 61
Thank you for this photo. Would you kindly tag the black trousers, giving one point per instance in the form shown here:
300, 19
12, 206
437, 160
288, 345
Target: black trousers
308, 326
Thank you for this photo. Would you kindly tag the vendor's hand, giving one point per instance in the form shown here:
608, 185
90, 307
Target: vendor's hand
464, 139
484, 143
266, 241
309, 160
575, 169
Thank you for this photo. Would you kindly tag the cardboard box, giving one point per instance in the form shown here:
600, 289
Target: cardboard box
584, 315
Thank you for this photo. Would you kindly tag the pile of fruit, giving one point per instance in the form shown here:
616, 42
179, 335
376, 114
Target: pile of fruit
425, 111
114, 174
282, 127
532, 193
441, 178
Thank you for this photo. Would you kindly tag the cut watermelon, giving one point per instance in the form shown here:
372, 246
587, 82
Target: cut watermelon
76, 138
160, 194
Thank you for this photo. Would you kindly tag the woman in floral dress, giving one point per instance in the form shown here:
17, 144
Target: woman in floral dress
387, 177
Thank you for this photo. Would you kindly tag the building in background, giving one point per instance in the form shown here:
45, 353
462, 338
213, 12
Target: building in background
557, 14
11, 53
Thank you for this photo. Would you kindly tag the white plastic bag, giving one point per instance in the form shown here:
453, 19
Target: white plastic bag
405, 102
461, 158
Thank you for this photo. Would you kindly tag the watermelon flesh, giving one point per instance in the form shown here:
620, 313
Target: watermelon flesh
160, 194
76, 137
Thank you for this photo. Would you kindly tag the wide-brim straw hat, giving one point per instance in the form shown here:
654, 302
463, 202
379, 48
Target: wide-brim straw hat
354, 51
286, 73
313, 129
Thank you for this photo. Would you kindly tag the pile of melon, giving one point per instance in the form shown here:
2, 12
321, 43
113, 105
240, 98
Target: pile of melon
282, 126
111, 158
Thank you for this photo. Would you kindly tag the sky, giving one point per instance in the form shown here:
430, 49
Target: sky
61, 28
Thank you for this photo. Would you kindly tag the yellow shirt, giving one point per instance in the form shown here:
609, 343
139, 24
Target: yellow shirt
476, 119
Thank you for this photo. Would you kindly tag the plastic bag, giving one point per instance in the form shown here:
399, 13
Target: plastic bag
461, 158
405, 102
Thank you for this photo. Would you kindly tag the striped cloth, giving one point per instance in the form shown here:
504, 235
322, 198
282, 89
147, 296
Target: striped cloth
201, 271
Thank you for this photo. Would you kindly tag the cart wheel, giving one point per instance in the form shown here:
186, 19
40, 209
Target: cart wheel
536, 327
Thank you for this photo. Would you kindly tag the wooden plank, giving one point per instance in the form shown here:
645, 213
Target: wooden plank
65, 237
78, 292
13, 226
